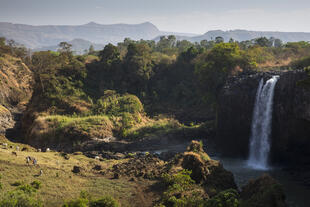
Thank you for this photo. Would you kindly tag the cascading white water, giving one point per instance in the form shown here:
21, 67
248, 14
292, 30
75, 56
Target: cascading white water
261, 124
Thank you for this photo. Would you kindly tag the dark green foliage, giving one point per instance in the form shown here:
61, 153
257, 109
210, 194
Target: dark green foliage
36, 184
181, 191
114, 104
106, 201
138, 66
22, 196
80, 202
59, 82
227, 198
109, 55
182, 179
20, 199
302, 63
85, 201
218, 64
29, 189
262, 41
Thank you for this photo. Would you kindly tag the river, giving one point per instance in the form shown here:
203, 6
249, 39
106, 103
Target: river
297, 194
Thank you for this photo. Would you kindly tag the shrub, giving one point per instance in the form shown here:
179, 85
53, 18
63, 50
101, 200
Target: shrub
227, 198
27, 189
115, 104
19, 198
80, 202
182, 179
36, 184
106, 201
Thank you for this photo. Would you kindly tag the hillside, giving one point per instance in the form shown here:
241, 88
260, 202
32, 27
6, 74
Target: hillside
242, 35
78, 46
59, 183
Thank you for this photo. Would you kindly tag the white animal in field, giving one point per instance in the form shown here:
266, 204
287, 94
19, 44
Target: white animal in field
48, 150
97, 158
5, 145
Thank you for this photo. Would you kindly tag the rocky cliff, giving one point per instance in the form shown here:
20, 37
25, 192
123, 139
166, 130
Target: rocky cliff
15, 91
291, 115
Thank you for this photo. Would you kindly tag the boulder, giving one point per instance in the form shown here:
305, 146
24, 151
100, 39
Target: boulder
77, 169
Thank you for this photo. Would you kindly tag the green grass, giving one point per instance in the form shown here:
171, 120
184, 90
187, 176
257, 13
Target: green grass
85, 123
60, 184
151, 128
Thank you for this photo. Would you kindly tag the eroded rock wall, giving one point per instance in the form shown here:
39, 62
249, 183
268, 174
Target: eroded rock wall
291, 116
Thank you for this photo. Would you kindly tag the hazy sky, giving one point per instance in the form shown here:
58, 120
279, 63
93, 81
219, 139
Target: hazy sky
191, 16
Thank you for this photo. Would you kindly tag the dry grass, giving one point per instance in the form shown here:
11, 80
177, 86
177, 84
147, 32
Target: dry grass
59, 183
4, 110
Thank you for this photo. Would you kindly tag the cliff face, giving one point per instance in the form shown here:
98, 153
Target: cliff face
291, 119
15, 90
291, 115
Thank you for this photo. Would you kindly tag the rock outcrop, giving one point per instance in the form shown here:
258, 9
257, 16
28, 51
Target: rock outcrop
16, 81
210, 173
263, 192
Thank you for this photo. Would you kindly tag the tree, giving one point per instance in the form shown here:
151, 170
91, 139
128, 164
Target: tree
217, 65
65, 51
64, 47
189, 54
91, 50
219, 39
138, 66
278, 43
2, 41
262, 41
231, 40
109, 54
166, 43
183, 45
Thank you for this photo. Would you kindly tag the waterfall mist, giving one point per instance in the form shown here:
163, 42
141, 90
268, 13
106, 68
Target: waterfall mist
261, 124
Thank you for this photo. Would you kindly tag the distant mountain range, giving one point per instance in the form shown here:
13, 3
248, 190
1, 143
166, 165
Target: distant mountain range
82, 36
241, 35
40, 36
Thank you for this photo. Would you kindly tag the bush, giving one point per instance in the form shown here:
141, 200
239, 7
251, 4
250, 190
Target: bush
227, 198
106, 201
181, 190
85, 201
182, 178
19, 198
36, 184
80, 202
27, 189
115, 104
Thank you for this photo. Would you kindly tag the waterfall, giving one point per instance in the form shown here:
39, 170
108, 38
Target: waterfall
261, 124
